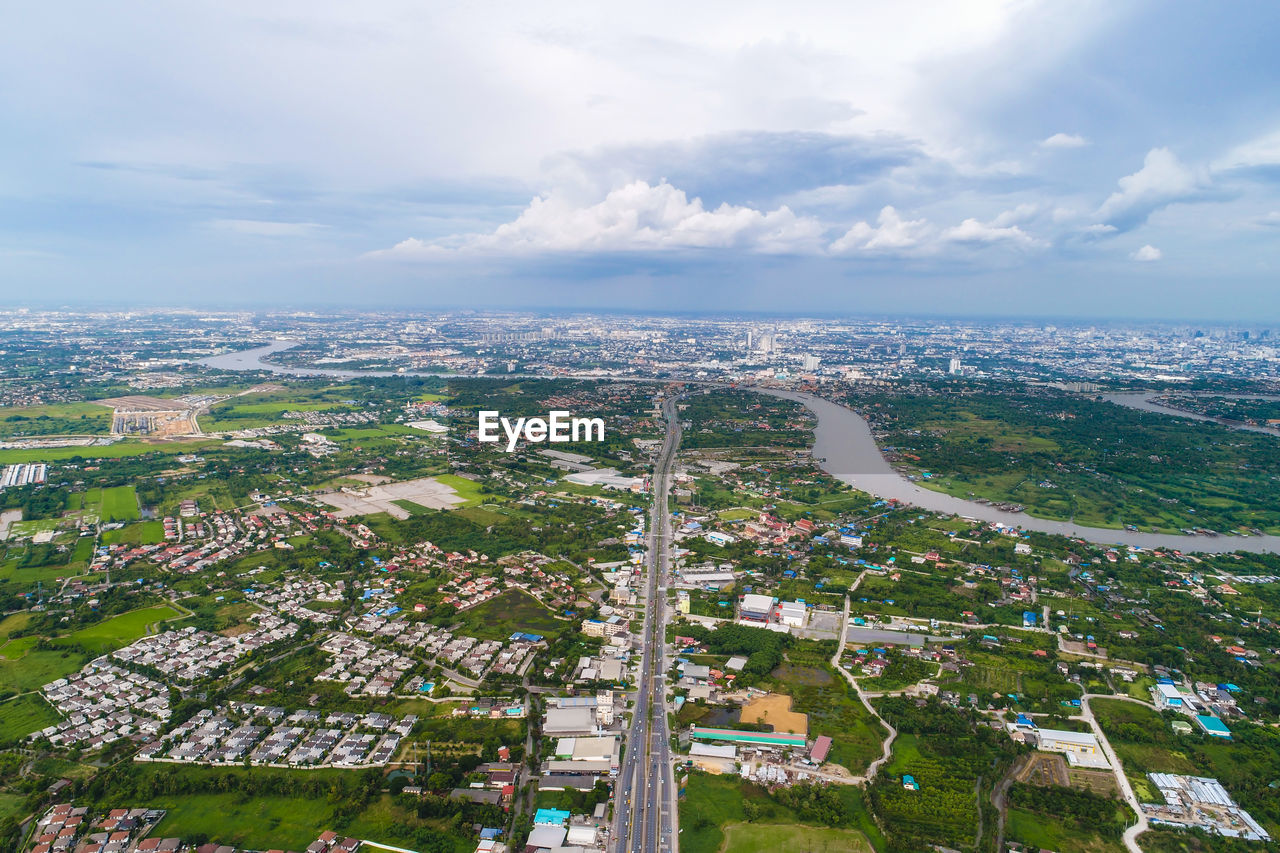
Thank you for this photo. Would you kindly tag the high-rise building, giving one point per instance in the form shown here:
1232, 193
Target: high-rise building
811, 362
955, 365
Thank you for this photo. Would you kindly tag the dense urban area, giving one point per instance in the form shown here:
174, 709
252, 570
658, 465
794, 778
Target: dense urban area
871, 585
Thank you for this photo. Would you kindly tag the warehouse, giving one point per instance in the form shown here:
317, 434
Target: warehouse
1080, 748
755, 608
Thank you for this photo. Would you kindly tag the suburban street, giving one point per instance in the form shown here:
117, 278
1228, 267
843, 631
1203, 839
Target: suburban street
645, 795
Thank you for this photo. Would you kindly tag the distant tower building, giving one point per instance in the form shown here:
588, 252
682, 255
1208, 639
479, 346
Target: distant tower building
811, 362
955, 365
902, 348
748, 340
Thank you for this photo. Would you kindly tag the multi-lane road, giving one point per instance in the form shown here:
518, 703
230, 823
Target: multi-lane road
645, 794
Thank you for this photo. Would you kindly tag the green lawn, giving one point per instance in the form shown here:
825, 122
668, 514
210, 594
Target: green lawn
713, 820
55, 419
23, 715
116, 450
37, 668
142, 533
413, 508
770, 838
1039, 832
259, 822
511, 611
119, 503
468, 490
122, 629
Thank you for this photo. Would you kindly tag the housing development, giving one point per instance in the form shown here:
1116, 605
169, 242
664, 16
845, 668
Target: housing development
327, 616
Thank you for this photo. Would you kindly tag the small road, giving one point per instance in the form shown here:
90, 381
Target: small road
1131, 834
862, 697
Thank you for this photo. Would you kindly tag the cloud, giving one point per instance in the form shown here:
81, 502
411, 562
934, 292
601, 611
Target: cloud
1257, 153
1162, 180
634, 218
1147, 254
1271, 220
1064, 140
973, 231
748, 165
891, 234
265, 228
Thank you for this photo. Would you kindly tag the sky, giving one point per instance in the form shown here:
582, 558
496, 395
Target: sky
1084, 159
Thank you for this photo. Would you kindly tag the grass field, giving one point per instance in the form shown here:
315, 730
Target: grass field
37, 668
770, 838
118, 450
259, 823
713, 820
122, 629
413, 508
142, 533
511, 611
55, 419
23, 715
119, 503
1039, 832
11, 805
468, 490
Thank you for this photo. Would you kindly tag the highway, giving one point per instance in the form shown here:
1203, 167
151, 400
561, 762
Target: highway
645, 793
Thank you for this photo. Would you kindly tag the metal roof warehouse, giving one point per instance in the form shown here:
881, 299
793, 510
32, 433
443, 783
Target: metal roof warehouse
767, 738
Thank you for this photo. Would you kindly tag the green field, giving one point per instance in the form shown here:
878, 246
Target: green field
770, 838
1037, 831
713, 820
511, 611
1069, 457
142, 533
117, 450
23, 715
119, 503
258, 822
413, 508
37, 668
468, 490
121, 630
55, 419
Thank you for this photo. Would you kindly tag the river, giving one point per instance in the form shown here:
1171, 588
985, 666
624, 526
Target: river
844, 447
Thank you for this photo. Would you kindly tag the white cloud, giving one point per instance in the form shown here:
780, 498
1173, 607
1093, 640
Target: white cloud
891, 233
1147, 253
973, 231
1163, 179
1263, 151
635, 217
1064, 140
265, 228
1271, 220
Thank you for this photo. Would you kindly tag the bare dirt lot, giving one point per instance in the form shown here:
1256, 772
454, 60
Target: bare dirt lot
426, 492
774, 709
1041, 769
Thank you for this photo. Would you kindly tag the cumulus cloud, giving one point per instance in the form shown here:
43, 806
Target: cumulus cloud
1064, 140
266, 228
636, 217
974, 231
1147, 253
891, 234
1162, 180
